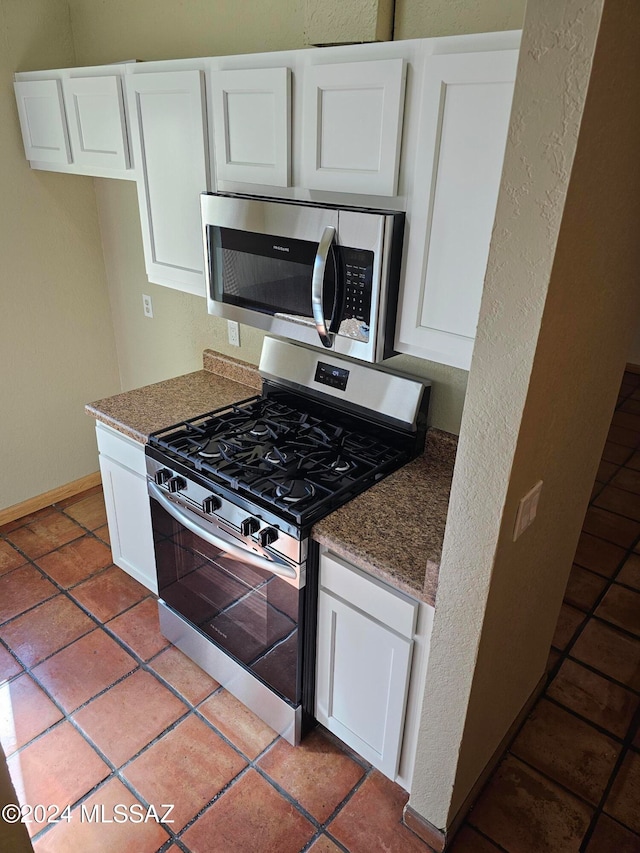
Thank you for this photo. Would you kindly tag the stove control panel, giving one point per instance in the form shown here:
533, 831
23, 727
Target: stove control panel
257, 530
249, 526
162, 476
176, 484
211, 503
330, 374
267, 535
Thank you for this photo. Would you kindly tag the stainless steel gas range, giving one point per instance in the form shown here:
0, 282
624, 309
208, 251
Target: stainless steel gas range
234, 494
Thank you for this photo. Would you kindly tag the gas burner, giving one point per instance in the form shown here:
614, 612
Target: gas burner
340, 465
257, 428
279, 456
211, 450
294, 491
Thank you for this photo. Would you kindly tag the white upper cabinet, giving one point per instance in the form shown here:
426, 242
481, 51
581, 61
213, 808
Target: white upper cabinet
169, 137
97, 125
352, 126
43, 121
465, 109
252, 125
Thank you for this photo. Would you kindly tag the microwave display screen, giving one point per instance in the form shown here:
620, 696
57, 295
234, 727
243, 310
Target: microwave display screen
265, 273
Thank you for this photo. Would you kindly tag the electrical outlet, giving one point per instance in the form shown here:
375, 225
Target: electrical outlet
147, 306
527, 509
233, 330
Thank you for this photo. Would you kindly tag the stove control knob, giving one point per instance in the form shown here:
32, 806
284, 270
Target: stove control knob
162, 476
211, 503
176, 484
249, 525
267, 536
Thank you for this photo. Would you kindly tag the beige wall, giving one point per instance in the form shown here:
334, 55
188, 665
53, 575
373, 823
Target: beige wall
57, 346
540, 394
419, 19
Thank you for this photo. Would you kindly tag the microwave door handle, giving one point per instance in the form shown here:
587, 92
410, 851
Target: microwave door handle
275, 565
317, 284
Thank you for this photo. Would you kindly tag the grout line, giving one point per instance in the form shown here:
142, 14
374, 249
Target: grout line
634, 691
631, 733
488, 837
618, 739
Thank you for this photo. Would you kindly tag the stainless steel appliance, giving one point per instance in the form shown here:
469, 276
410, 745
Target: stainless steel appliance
320, 275
234, 494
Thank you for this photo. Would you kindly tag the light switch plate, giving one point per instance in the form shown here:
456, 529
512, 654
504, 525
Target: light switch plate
527, 509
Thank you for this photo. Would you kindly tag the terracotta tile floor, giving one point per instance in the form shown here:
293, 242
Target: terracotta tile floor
97, 710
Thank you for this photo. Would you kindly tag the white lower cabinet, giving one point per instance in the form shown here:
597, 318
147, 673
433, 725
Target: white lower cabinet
364, 651
122, 465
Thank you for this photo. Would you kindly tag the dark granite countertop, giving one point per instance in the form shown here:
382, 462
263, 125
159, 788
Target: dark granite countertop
394, 530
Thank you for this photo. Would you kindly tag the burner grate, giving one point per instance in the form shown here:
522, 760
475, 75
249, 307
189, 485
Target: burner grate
287, 452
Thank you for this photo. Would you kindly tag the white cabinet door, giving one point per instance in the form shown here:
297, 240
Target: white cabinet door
252, 125
362, 680
363, 661
352, 126
122, 465
97, 126
167, 113
465, 113
43, 121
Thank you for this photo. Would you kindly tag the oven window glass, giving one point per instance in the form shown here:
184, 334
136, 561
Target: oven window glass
267, 274
250, 613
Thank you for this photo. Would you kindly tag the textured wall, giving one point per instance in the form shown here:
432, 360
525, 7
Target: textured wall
561, 277
337, 22
56, 336
419, 19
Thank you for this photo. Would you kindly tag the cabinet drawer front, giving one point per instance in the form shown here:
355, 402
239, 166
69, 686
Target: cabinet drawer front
389, 606
121, 448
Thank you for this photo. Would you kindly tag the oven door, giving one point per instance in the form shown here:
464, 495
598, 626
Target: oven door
248, 604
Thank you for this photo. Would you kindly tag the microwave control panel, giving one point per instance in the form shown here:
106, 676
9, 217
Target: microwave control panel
357, 266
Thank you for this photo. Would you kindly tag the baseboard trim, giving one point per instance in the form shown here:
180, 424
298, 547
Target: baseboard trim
434, 838
11, 513
632, 368
440, 839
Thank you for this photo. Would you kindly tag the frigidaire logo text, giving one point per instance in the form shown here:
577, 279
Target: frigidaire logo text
218, 631
282, 248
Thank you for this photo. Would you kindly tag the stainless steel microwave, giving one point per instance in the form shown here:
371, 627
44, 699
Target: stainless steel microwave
320, 275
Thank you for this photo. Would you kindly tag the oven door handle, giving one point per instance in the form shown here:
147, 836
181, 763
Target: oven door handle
275, 565
317, 285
